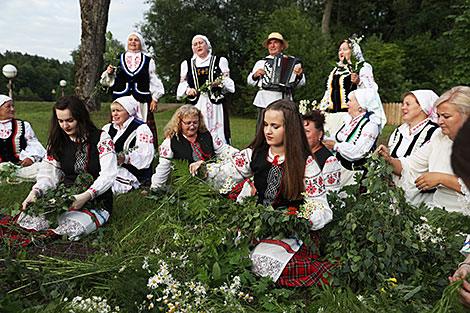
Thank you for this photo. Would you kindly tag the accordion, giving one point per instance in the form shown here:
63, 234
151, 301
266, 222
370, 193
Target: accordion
280, 74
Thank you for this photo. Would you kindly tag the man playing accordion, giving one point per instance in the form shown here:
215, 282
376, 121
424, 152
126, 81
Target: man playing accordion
275, 75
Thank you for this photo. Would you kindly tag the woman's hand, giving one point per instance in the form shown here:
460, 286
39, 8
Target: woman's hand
80, 200
329, 144
26, 162
30, 198
355, 78
258, 73
191, 92
153, 105
121, 159
383, 152
193, 167
110, 69
428, 180
461, 273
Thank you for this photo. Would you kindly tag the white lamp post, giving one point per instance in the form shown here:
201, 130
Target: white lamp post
62, 84
10, 72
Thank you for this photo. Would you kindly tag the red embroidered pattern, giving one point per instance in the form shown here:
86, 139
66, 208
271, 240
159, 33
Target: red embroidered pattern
146, 138
239, 162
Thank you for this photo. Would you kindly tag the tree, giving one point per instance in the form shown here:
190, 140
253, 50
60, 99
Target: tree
94, 14
325, 22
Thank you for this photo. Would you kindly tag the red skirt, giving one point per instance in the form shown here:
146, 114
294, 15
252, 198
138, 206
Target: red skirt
18, 236
303, 270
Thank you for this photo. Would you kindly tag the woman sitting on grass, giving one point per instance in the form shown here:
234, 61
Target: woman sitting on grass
186, 138
133, 142
75, 146
285, 175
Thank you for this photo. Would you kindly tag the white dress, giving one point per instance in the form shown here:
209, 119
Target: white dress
34, 149
353, 151
213, 113
269, 258
434, 156
141, 156
75, 224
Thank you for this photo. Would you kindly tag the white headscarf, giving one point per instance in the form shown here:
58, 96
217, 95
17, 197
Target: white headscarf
143, 47
208, 43
4, 99
130, 105
426, 99
369, 99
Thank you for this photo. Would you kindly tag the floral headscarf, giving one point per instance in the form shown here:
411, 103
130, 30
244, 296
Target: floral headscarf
369, 99
143, 47
130, 105
426, 99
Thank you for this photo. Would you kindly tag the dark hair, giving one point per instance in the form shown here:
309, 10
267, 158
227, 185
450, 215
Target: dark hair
317, 118
296, 147
57, 137
460, 153
343, 41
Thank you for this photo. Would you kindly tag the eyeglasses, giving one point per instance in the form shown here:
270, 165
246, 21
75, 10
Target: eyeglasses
195, 123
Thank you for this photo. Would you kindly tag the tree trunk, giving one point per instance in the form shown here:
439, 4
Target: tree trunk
94, 15
325, 21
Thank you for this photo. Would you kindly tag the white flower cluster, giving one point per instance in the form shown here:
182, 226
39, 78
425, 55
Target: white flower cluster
306, 106
233, 293
93, 304
307, 210
227, 186
169, 295
427, 232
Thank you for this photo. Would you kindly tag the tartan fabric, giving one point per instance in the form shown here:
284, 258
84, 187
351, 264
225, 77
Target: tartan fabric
16, 235
233, 194
303, 270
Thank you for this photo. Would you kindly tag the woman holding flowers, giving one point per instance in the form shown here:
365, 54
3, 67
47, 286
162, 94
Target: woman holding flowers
75, 146
285, 176
204, 80
186, 138
358, 134
133, 142
136, 76
429, 166
351, 72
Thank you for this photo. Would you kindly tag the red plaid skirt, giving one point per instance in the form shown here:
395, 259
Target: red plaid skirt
303, 270
18, 236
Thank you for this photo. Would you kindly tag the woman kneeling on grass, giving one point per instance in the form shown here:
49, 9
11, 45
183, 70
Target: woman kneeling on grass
75, 146
285, 175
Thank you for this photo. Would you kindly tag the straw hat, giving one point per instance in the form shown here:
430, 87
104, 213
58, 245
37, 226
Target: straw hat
277, 36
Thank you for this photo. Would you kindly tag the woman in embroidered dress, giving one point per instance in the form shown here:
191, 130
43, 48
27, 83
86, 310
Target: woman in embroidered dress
359, 132
186, 138
285, 175
429, 166
75, 146
328, 163
136, 76
194, 73
18, 143
133, 142
342, 81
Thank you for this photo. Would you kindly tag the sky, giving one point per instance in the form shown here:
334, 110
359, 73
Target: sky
52, 28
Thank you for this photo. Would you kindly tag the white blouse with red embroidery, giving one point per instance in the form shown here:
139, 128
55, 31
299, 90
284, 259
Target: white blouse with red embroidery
51, 172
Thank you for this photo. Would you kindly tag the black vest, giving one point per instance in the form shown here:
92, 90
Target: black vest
269, 176
336, 91
89, 163
197, 76
201, 149
427, 132
136, 84
143, 175
321, 156
11, 147
358, 164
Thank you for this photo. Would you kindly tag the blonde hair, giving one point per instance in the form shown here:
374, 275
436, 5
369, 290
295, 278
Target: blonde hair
458, 96
173, 128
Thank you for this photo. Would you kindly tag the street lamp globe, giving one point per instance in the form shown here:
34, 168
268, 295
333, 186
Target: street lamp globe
9, 71
63, 83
